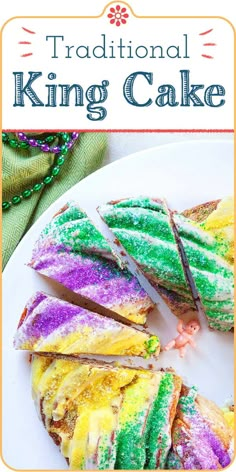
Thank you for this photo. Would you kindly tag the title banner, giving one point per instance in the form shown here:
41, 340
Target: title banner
118, 71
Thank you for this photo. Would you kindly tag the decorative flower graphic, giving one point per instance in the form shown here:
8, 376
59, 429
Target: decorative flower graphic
118, 15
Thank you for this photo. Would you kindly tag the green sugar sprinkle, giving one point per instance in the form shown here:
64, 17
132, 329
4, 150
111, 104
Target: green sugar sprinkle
213, 287
142, 202
224, 306
144, 229
107, 454
219, 327
173, 461
187, 402
158, 440
220, 316
156, 257
74, 229
131, 453
186, 229
151, 346
206, 260
144, 221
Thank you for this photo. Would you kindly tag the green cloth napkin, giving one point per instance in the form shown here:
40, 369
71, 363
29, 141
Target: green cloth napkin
23, 169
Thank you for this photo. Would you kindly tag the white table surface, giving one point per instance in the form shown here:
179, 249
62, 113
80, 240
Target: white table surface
123, 144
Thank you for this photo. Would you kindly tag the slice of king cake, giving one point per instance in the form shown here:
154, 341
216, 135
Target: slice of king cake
143, 227
106, 417
73, 252
52, 325
201, 437
217, 218
212, 275
154, 238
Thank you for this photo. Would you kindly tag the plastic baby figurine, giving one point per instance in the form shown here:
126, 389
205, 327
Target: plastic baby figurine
185, 336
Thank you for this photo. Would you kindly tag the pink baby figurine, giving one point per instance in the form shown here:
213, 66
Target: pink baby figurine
185, 336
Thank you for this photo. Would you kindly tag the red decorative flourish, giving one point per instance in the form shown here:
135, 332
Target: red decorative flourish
26, 55
207, 56
118, 15
26, 30
206, 32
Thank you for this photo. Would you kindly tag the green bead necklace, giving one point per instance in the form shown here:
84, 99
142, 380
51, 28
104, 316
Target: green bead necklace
15, 143
23, 142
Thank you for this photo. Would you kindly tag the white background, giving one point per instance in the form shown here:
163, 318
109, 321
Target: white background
128, 143
87, 72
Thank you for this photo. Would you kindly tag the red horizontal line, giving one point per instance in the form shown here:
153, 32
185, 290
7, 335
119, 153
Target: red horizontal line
26, 55
206, 32
121, 130
28, 31
207, 57
24, 42
209, 44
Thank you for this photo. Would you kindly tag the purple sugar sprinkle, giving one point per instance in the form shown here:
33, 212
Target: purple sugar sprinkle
95, 278
206, 434
199, 447
34, 302
52, 313
58, 318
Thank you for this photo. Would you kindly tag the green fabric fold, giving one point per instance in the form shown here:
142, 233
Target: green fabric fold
24, 168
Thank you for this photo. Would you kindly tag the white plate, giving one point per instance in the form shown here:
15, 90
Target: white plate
186, 174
